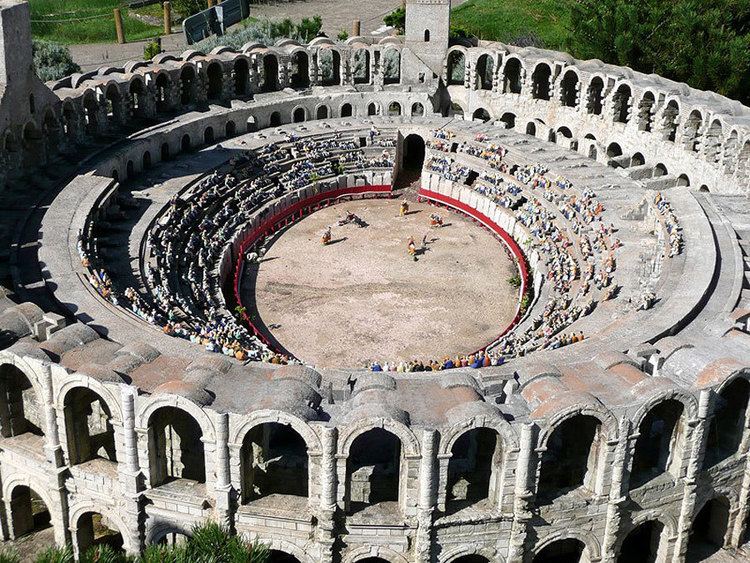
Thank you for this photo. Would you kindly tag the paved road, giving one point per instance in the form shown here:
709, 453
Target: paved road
337, 15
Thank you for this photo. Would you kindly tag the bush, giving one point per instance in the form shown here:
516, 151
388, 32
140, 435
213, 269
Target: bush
187, 8
52, 61
397, 19
151, 49
343, 35
515, 281
266, 32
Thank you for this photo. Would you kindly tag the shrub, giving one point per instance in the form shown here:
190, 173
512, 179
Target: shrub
188, 8
151, 49
515, 281
343, 35
266, 32
397, 19
52, 61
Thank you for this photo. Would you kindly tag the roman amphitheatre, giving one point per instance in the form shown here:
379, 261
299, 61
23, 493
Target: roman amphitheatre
559, 373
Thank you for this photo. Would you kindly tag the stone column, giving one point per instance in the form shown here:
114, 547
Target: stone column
697, 449
618, 493
326, 529
129, 471
223, 485
735, 539
427, 498
523, 494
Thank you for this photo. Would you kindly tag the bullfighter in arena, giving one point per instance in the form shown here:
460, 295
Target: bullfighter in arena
412, 248
404, 208
436, 220
326, 238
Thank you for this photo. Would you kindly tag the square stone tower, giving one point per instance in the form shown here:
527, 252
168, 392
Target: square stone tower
427, 31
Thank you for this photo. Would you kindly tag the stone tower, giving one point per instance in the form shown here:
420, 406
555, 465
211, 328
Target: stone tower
427, 32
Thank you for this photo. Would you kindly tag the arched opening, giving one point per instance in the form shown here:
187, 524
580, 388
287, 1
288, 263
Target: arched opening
413, 150
346, 110
614, 150
187, 85
299, 115
660, 170
373, 470
690, 133
230, 130
165, 151
300, 70
512, 76
646, 112
562, 551
113, 101
569, 89
163, 88
394, 109
474, 468
571, 458
273, 462
93, 530
509, 119
330, 67
481, 114
709, 530
471, 559
208, 136
175, 447
727, 422
28, 513
731, 148
540, 82
743, 161
593, 153
372, 109
669, 120
417, 110
595, 101
426, 35
531, 128
643, 544
621, 102
215, 81
115, 175
129, 170
456, 110
276, 556
172, 538
391, 66
137, 91
146, 160
683, 180
456, 68
637, 160
361, 66
90, 110
565, 132
275, 120
20, 409
241, 75
69, 121
185, 143
33, 146
704, 189
485, 71
32, 104
270, 74
658, 447
373, 560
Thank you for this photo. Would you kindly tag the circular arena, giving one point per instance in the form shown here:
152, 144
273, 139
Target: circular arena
558, 369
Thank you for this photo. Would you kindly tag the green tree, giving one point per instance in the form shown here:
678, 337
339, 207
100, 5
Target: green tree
397, 19
52, 61
188, 8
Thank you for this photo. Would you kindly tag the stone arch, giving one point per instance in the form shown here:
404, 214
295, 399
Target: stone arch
373, 109
540, 82
466, 554
163, 86
709, 529
691, 129
583, 543
329, 62
187, 85
565, 132
33, 145
21, 402
485, 72
241, 75
374, 467
391, 66
712, 142
275, 119
509, 119
481, 114
670, 117
164, 151
90, 112
645, 543
531, 128
291, 549
346, 110
512, 76
270, 74
614, 150
208, 135
569, 86
660, 170
230, 129
408, 440
743, 161
646, 111
175, 446
622, 101
137, 93
417, 110
394, 109
83, 520
731, 148
185, 143
299, 115
727, 424
113, 103
659, 447
637, 159
146, 160
215, 79
373, 553
19, 494
69, 120
595, 96
299, 69
683, 180
159, 532
361, 66
456, 67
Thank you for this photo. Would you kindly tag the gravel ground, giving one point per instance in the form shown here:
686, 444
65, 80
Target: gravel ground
363, 298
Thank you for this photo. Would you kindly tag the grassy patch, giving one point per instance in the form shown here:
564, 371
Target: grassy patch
84, 21
507, 20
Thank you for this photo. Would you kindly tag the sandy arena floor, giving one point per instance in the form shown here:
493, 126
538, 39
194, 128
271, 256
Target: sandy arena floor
363, 298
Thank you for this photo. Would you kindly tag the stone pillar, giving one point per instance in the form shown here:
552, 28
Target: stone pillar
52, 447
223, 486
523, 494
325, 531
697, 449
618, 493
735, 539
129, 471
428, 478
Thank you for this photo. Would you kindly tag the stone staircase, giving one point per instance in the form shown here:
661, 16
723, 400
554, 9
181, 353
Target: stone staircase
743, 237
